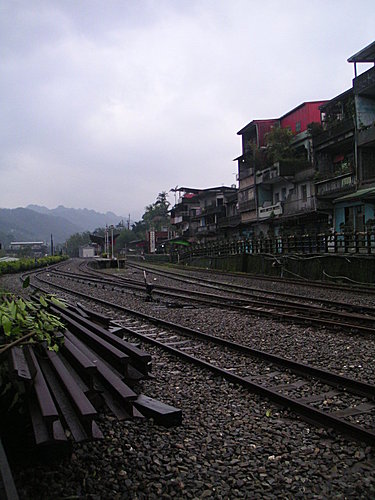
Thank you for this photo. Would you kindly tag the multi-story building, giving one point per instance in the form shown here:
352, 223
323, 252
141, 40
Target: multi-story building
345, 151
184, 211
205, 214
251, 160
275, 195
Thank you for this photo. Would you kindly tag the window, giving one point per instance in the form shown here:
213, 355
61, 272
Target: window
304, 192
298, 127
283, 194
277, 197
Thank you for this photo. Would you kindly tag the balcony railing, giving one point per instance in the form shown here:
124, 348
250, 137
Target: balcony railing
283, 168
364, 82
294, 206
210, 228
332, 187
231, 221
248, 172
214, 209
246, 206
366, 136
265, 212
334, 131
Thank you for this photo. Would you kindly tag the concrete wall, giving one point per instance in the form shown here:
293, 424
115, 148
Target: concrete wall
356, 268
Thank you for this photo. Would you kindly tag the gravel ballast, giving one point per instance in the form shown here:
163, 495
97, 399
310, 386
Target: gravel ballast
231, 444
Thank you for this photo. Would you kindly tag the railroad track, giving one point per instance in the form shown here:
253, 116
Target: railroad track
245, 290
320, 396
358, 319
366, 288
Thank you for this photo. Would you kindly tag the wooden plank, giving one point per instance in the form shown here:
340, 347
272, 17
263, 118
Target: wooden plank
46, 403
18, 364
69, 414
106, 374
7, 487
74, 392
107, 350
94, 315
80, 361
162, 413
140, 359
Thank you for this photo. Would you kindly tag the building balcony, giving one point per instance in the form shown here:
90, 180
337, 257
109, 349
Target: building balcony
366, 137
333, 187
231, 221
178, 218
281, 169
244, 173
364, 84
214, 210
297, 206
246, 206
265, 212
209, 229
334, 133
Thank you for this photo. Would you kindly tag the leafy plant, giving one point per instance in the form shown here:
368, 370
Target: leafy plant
23, 320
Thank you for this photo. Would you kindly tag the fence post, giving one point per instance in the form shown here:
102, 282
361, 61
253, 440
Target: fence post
356, 242
368, 237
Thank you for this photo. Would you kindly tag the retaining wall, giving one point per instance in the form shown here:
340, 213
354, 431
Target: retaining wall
345, 268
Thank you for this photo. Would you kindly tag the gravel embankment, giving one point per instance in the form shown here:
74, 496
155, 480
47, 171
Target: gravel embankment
232, 444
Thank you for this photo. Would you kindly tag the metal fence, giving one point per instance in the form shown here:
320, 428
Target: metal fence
333, 243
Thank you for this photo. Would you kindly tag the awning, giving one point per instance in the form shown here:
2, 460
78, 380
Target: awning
361, 194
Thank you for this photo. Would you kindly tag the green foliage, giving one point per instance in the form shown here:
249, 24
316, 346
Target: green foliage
75, 241
315, 128
123, 238
27, 264
21, 319
156, 215
278, 142
139, 230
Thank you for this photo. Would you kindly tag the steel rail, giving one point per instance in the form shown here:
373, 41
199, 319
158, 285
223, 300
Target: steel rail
256, 301
262, 308
248, 291
306, 411
364, 289
361, 388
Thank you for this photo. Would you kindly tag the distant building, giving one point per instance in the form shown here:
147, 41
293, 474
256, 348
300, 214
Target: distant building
34, 248
87, 251
205, 214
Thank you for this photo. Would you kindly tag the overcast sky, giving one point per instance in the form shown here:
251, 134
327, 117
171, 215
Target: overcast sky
104, 104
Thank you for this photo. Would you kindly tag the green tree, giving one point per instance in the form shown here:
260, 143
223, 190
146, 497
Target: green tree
75, 241
139, 230
123, 239
156, 215
279, 144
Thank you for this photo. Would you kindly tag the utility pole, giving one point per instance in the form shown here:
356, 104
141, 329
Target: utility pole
112, 242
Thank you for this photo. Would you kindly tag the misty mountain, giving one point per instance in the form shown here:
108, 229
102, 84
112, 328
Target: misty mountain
83, 218
22, 224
